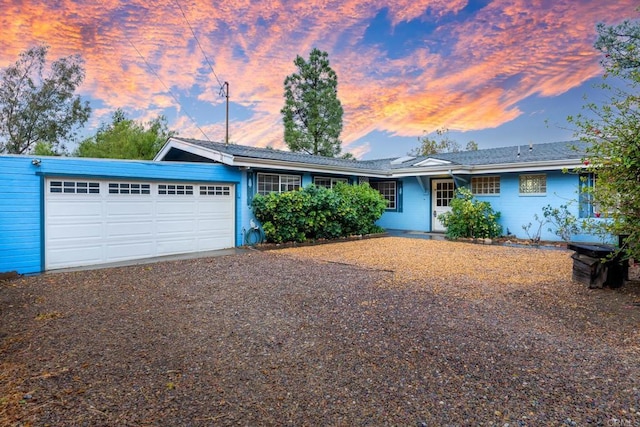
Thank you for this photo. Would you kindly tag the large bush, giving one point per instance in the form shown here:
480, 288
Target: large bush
319, 213
470, 218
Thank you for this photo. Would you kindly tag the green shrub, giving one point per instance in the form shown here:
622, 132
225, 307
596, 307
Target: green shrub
319, 213
470, 218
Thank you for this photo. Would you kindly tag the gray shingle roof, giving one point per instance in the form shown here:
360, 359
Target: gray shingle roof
565, 150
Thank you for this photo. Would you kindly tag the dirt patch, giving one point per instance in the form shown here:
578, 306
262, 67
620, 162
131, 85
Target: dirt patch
376, 332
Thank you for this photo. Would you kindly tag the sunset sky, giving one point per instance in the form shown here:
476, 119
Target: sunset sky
499, 72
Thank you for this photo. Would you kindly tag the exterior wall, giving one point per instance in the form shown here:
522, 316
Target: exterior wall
416, 206
518, 210
22, 196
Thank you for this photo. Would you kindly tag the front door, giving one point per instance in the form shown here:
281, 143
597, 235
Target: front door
441, 195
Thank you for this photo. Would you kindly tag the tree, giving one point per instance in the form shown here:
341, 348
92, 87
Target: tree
441, 142
612, 131
312, 113
124, 138
39, 106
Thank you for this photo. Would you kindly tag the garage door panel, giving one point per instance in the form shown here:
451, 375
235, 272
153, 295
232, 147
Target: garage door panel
176, 208
128, 250
129, 229
176, 246
71, 232
131, 209
74, 208
84, 255
116, 223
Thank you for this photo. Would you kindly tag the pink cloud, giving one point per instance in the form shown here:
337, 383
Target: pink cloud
506, 53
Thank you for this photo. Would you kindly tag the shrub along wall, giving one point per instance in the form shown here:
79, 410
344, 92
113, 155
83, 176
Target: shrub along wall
319, 213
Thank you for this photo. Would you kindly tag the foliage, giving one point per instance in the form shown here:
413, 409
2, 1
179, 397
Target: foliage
564, 223
534, 233
470, 218
38, 106
124, 138
312, 113
612, 131
319, 213
440, 143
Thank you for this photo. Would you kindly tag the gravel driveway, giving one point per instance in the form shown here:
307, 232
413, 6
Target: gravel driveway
384, 331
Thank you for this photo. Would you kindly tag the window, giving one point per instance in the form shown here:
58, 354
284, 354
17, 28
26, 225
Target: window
215, 190
485, 185
323, 181
274, 183
388, 191
129, 188
74, 187
175, 189
588, 207
533, 184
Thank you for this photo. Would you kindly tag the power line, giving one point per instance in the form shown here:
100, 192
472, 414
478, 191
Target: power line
198, 42
224, 87
167, 89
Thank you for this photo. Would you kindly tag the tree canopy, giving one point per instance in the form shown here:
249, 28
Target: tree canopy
38, 106
312, 113
441, 142
124, 138
612, 130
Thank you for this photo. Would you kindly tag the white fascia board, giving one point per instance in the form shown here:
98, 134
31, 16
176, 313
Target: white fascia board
214, 155
494, 169
443, 170
280, 165
528, 167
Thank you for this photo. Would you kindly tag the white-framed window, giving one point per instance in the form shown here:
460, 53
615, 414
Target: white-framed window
388, 191
276, 183
74, 187
175, 189
215, 190
589, 208
328, 182
533, 184
484, 185
129, 188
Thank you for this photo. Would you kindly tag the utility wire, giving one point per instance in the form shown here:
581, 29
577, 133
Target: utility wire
199, 45
168, 90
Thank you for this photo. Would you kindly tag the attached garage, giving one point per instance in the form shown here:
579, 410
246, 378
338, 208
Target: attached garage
97, 221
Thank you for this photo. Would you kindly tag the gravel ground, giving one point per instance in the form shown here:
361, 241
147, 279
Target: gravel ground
386, 331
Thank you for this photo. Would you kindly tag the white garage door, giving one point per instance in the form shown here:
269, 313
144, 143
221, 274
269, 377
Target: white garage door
98, 221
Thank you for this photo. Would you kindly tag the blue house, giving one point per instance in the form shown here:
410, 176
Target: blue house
195, 196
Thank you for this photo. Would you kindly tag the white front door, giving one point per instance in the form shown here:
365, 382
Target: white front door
441, 194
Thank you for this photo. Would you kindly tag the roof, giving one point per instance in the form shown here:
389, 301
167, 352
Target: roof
554, 155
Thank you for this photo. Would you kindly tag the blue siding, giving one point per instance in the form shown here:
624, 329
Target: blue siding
21, 221
518, 210
416, 205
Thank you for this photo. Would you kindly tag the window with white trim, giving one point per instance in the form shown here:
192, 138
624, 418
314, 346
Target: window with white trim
276, 183
74, 187
533, 184
483, 185
175, 189
215, 190
328, 182
129, 188
589, 208
388, 191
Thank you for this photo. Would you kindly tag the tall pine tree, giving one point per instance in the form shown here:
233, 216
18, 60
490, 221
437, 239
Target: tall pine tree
312, 113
